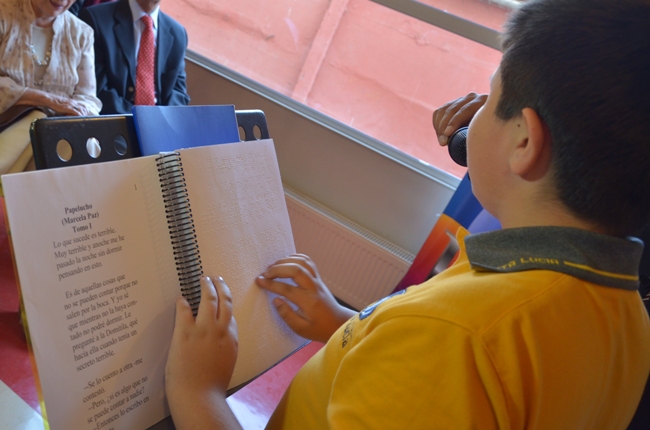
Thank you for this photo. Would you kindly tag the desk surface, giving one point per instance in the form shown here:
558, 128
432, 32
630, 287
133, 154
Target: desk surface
19, 405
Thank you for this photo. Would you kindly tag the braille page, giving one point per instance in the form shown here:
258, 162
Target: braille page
242, 226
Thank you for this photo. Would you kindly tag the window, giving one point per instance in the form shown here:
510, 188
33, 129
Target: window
364, 64
487, 13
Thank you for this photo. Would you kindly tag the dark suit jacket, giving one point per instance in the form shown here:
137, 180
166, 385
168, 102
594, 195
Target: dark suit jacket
115, 57
79, 4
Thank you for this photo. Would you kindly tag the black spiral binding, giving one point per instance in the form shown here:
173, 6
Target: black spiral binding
181, 227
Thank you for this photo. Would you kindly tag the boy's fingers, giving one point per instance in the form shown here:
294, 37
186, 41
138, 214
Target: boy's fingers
450, 117
184, 315
289, 316
448, 120
445, 128
209, 306
277, 287
225, 300
308, 264
299, 259
439, 113
300, 274
466, 110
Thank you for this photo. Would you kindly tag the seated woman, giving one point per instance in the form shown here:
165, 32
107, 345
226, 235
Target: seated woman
46, 62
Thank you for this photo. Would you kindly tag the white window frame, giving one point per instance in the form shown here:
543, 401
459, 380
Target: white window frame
447, 21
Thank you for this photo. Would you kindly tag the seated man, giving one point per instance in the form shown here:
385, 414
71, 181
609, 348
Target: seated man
124, 76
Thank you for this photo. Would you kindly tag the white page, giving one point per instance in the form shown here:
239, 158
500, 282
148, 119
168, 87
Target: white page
116, 380
242, 225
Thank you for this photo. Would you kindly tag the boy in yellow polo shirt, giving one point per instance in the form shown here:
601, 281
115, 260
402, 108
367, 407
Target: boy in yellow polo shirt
536, 326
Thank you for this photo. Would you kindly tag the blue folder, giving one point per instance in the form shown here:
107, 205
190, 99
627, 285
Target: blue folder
168, 128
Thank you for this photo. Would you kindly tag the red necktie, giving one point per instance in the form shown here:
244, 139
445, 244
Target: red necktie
144, 86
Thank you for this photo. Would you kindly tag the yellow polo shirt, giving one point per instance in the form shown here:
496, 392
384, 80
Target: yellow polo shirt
520, 334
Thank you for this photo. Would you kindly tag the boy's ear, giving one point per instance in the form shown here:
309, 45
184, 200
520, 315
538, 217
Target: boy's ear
531, 155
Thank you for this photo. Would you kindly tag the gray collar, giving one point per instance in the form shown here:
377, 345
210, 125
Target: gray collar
593, 257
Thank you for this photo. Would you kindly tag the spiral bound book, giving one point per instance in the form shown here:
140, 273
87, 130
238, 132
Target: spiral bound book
102, 251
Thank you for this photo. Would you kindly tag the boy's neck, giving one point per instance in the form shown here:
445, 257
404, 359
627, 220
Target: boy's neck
529, 208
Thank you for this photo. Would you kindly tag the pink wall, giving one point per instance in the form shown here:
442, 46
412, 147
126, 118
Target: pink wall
367, 66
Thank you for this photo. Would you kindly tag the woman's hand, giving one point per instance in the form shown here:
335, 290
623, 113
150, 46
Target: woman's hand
318, 315
66, 106
456, 114
61, 105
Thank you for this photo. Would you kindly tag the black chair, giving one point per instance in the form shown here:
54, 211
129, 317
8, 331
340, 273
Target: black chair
252, 123
71, 141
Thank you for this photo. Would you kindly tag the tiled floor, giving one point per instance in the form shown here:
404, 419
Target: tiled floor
19, 407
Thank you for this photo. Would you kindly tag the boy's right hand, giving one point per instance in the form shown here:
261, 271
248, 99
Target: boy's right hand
456, 114
318, 315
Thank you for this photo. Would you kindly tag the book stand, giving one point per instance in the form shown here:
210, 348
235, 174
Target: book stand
71, 141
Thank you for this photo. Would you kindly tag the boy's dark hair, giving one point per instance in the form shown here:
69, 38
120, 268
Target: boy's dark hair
584, 67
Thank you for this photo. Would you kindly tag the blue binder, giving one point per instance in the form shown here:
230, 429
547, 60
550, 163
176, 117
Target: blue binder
168, 128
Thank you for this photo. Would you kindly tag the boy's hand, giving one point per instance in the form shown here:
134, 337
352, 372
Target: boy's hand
456, 114
318, 315
202, 354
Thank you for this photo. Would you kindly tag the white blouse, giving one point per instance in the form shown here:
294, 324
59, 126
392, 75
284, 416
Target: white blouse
71, 71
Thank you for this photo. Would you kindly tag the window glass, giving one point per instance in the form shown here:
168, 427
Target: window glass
361, 63
489, 13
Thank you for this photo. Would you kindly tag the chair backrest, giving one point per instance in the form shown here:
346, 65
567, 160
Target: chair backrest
71, 141
252, 122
